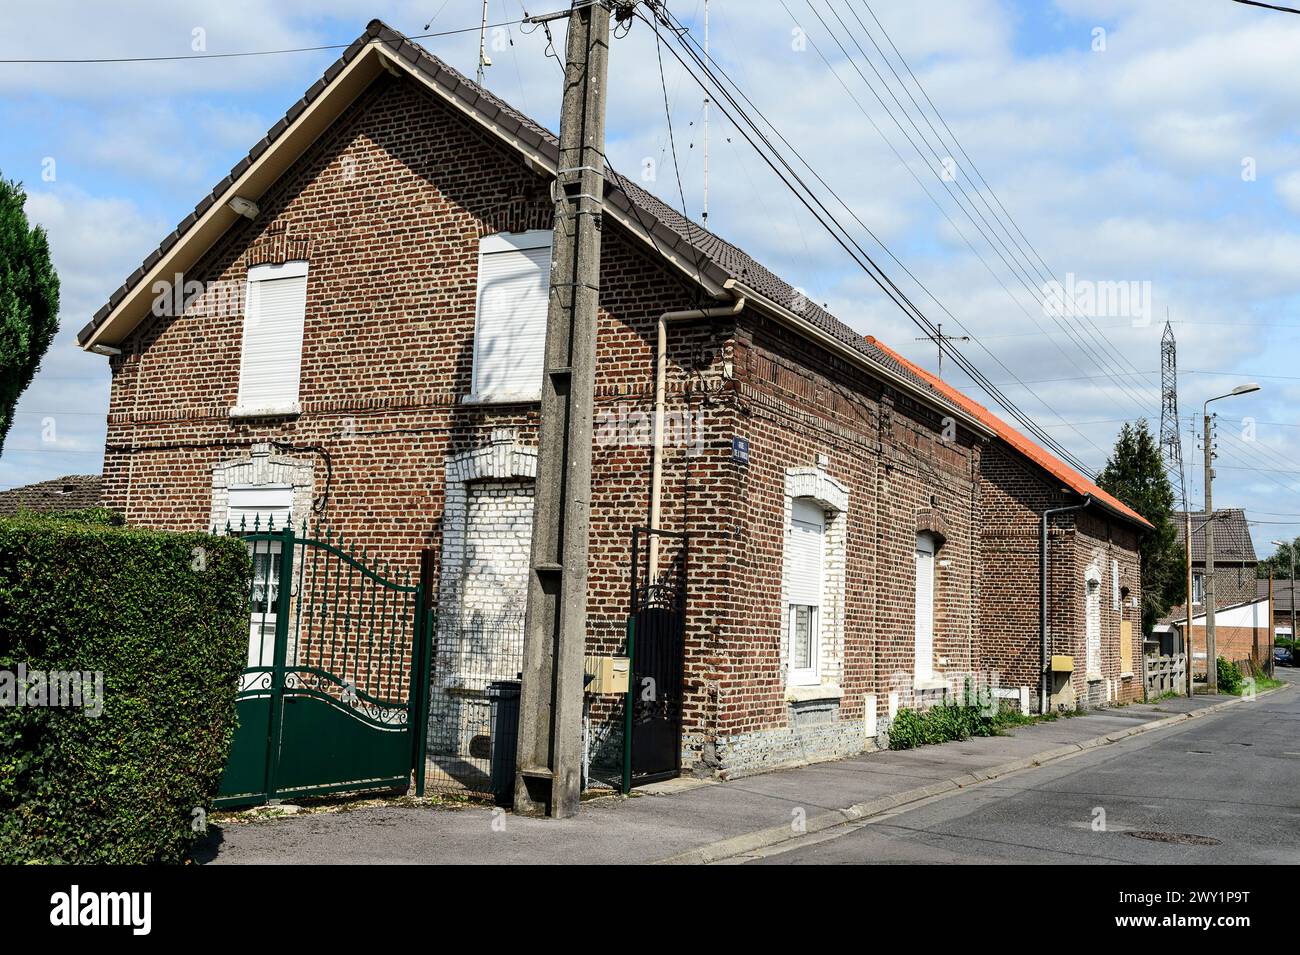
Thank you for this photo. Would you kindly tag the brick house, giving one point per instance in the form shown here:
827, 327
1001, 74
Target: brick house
1234, 569
1094, 571
357, 345
1234, 558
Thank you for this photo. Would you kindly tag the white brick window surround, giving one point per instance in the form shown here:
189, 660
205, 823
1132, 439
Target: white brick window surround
261, 490
482, 589
259, 481
486, 543
923, 672
1092, 621
812, 584
514, 271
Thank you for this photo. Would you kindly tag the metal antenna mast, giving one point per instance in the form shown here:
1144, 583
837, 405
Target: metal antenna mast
483, 59
939, 338
705, 216
1171, 442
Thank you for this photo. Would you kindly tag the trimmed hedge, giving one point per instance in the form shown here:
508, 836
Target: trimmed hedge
164, 617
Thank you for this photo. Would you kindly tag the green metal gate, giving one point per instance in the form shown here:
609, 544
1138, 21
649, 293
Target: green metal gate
335, 695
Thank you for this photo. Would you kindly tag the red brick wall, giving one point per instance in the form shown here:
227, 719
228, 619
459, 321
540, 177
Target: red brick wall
796, 402
1014, 494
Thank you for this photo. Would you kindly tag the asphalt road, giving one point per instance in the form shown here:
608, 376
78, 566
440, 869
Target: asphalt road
1230, 782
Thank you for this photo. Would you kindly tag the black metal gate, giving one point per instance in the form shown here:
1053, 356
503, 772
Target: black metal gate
657, 645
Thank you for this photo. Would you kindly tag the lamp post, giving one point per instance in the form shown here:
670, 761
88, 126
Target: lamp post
1290, 553
1211, 659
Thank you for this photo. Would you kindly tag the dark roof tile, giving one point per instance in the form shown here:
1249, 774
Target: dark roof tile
1232, 542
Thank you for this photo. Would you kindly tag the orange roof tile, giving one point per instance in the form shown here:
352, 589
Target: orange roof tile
1053, 465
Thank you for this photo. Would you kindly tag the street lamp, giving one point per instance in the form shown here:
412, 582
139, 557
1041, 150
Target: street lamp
1290, 553
1211, 659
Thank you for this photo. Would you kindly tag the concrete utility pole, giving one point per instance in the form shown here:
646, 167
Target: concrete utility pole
1187, 560
549, 779
1290, 551
1211, 659
707, 102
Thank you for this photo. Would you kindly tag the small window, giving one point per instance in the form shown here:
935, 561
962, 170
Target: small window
514, 274
270, 363
805, 564
803, 640
1198, 587
1114, 585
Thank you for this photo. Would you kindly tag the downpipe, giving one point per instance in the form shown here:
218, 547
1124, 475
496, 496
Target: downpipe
1042, 595
661, 375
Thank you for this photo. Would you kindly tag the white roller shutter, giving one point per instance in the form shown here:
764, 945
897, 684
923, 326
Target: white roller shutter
263, 505
804, 553
510, 334
271, 358
924, 607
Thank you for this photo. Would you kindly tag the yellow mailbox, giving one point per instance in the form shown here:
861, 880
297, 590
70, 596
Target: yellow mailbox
609, 674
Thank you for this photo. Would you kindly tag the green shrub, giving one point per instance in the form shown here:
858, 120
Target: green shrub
944, 722
908, 730
163, 616
84, 515
1230, 676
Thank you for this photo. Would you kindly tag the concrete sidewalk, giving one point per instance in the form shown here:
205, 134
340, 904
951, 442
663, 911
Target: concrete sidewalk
684, 820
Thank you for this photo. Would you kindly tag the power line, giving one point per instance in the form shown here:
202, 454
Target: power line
244, 53
1267, 6
1020, 266
1019, 276
774, 158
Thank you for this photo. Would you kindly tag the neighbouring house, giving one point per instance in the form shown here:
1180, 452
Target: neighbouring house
1241, 632
72, 492
358, 347
1286, 611
1234, 577
1094, 573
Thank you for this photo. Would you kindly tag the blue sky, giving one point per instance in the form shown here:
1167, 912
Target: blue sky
1128, 160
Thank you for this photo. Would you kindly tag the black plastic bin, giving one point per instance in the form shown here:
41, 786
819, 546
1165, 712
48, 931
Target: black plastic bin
504, 697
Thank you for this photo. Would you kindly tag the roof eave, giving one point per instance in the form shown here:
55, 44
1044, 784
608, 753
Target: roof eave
252, 177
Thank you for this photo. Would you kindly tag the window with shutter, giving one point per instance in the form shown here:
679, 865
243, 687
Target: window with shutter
514, 273
271, 355
805, 563
924, 608
264, 506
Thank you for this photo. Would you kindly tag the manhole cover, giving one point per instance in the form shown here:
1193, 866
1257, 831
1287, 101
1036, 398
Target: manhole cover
1174, 838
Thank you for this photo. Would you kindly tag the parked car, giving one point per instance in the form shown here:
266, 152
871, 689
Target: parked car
1283, 657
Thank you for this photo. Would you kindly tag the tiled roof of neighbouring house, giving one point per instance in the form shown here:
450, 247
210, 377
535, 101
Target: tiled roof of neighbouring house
1231, 536
70, 493
1282, 591
1053, 465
